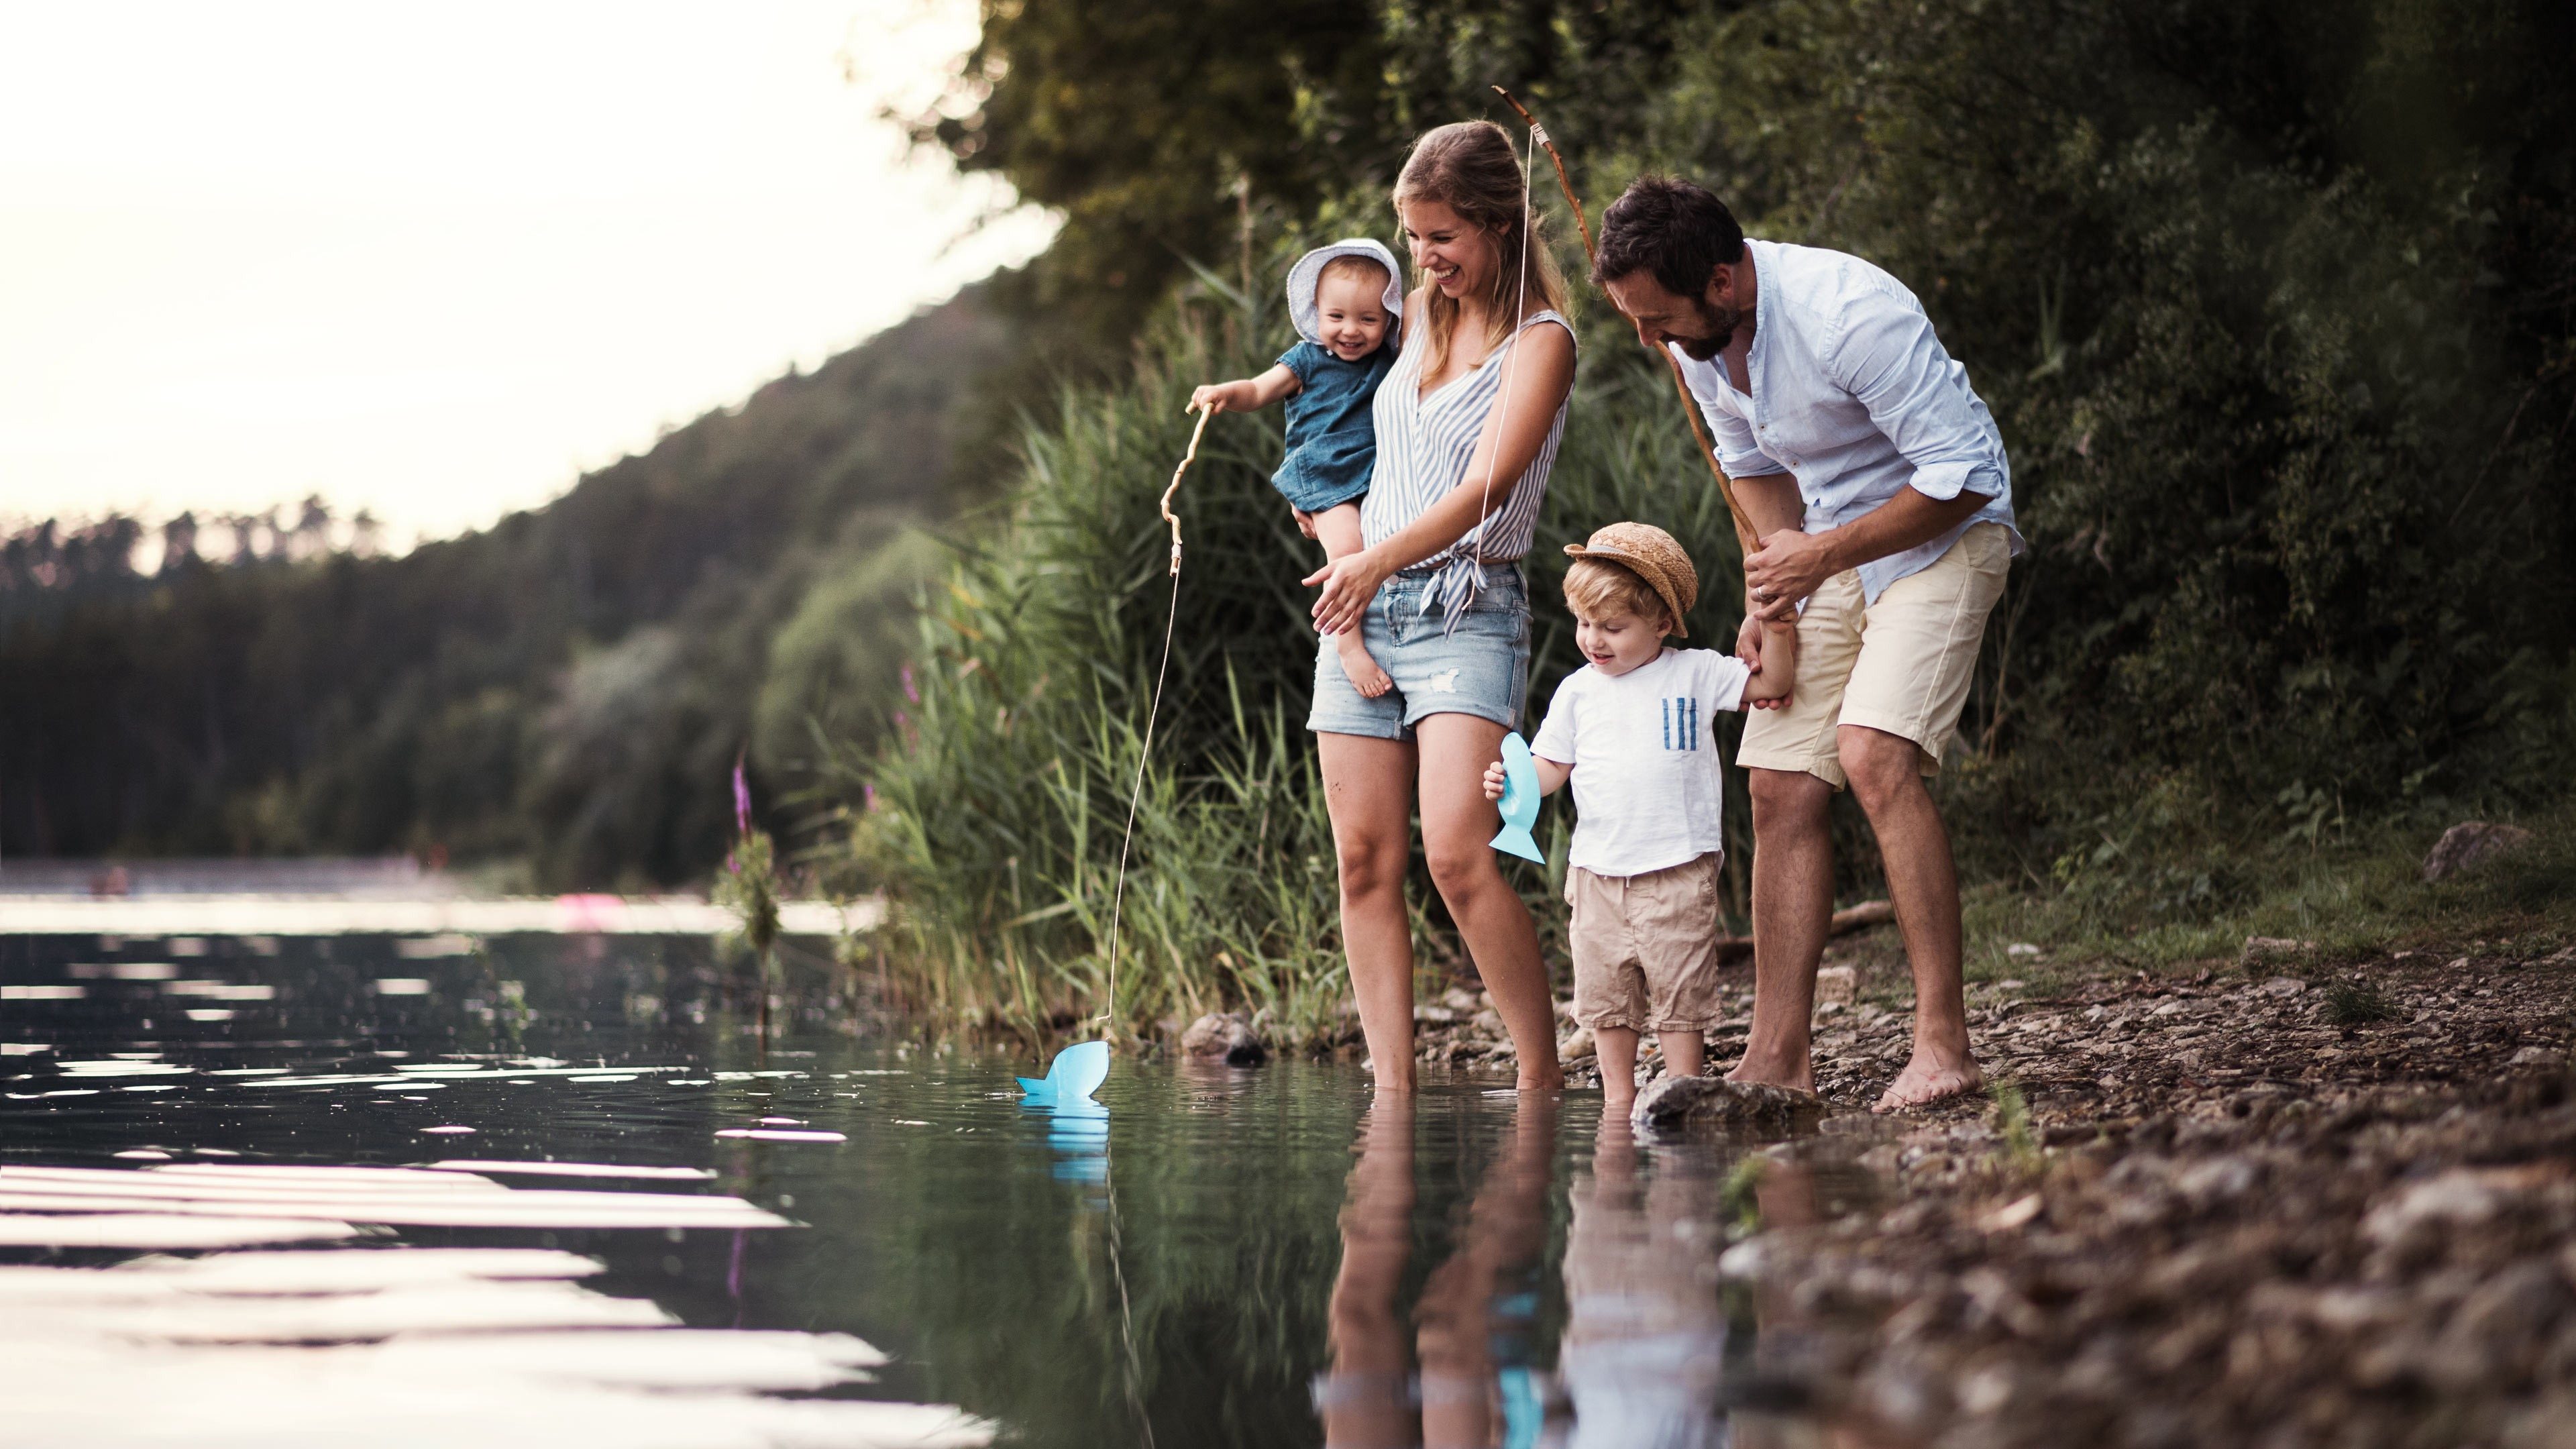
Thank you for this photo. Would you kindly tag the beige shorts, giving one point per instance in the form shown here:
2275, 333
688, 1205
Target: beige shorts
1645, 947
1901, 665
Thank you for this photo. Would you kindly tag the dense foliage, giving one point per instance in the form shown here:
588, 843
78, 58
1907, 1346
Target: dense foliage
2272, 299
565, 690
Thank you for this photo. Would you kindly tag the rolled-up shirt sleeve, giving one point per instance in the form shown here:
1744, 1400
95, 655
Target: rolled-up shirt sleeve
1889, 358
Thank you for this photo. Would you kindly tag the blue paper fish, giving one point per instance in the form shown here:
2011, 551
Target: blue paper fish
1077, 1073
1520, 800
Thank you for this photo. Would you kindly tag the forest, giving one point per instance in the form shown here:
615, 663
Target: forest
557, 700
2275, 302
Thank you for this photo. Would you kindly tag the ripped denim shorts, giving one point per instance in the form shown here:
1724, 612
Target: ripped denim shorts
1479, 668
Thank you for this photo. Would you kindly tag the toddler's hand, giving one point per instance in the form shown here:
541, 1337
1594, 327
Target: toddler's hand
1212, 396
1494, 780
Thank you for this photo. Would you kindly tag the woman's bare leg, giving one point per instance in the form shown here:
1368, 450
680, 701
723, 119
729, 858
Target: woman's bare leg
1457, 824
1368, 790
1338, 529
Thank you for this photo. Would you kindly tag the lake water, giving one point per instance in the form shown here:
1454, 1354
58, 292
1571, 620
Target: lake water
651, 1229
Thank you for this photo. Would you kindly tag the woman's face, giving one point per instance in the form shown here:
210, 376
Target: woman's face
1455, 254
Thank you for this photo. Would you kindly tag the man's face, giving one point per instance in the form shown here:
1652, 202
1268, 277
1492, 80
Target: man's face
1701, 326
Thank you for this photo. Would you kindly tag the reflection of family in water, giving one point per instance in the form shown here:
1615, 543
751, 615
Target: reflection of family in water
1648, 1342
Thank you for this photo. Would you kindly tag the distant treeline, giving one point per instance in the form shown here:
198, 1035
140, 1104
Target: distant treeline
564, 692
2275, 301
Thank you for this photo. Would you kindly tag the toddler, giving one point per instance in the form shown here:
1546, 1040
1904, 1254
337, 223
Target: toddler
1345, 299
1631, 729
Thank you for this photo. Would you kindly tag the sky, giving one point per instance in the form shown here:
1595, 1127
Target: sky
436, 261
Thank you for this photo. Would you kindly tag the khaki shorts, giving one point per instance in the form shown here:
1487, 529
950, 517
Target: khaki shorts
1645, 947
1901, 665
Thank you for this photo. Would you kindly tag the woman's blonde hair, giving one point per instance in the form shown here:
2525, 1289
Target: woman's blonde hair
1470, 167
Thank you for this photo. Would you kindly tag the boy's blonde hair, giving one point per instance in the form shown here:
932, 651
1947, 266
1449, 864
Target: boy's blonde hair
1599, 589
1366, 269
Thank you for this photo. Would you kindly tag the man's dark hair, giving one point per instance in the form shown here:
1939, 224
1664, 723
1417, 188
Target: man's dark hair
1666, 226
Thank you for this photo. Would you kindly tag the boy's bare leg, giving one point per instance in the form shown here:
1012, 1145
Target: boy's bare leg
1793, 908
1923, 883
1338, 529
1685, 1052
1617, 1048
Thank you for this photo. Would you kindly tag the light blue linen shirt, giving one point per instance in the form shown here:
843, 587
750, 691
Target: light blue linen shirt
1853, 396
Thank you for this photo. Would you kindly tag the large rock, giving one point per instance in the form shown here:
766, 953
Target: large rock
2470, 844
1218, 1037
1684, 1102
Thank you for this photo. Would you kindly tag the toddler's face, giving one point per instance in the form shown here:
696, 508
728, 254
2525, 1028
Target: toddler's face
1350, 314
1617, 643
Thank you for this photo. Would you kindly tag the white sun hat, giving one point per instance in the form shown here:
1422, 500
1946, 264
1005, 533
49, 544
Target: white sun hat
1301, 280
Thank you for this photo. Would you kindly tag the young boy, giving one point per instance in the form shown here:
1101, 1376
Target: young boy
1345, 299
1631, 729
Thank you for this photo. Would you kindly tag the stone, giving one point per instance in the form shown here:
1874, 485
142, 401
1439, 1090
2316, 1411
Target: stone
1220, 1037
1836, 985
1577, 1047
1675, 1103
2470, 844
2499, 1330
2545, 1058
2271, 948
2283, 986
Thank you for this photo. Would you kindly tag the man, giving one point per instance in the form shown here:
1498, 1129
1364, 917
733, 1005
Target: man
1878, 489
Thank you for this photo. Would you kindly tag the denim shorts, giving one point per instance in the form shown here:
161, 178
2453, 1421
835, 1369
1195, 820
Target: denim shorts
1480, 668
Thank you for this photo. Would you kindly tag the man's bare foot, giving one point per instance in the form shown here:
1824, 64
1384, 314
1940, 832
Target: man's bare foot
1926, 1079
1800, 1079
1553, 1081
1365, 676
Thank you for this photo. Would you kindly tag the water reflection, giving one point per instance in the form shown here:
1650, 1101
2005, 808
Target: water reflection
1208, 1255
1644, 1355
1473, 1329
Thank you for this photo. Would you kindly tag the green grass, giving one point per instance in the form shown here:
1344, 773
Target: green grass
2354, 896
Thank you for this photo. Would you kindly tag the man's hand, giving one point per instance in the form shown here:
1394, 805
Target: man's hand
1494, 781
1790, 566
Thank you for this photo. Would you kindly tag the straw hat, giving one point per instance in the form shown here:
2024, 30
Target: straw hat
1301, 281
1655, 556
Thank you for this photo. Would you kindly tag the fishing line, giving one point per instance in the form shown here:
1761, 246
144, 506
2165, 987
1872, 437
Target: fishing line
1153, 711
1503, 403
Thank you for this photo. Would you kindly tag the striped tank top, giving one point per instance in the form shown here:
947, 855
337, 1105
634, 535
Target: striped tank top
1423, 447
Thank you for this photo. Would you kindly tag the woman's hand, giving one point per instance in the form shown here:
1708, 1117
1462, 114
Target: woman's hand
1348, 583
1494, 783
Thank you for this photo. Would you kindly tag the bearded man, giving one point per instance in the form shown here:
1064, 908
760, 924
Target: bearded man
1878, 489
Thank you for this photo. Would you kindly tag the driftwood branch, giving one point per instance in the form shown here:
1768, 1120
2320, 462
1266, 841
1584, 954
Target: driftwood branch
1855, 918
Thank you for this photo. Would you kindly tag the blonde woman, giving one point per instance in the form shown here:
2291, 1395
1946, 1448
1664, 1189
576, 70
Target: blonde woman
1467, 427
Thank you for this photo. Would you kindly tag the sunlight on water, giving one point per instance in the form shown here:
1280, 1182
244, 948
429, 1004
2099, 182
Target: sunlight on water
261, 1230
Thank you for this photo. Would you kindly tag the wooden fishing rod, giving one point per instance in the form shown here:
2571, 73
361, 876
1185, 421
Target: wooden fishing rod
1744, 537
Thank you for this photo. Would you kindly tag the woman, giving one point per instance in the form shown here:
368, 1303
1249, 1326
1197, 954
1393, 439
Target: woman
1467, 427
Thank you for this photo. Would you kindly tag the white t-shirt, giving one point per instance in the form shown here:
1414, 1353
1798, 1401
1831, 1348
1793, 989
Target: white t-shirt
1647, 781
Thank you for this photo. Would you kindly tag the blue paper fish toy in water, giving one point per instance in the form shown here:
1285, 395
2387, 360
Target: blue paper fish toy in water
1520, 800
1078, 1072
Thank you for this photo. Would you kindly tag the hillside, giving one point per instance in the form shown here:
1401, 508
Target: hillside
564, 691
